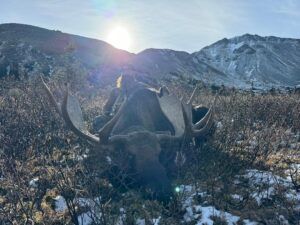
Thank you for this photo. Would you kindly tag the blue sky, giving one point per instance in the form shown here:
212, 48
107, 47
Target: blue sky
186, 25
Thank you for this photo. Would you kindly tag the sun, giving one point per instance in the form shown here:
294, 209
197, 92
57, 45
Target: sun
119, 37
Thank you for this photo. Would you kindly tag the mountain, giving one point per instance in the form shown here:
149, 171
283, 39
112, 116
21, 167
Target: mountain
263, 61
166, 62
28, 49
239, 62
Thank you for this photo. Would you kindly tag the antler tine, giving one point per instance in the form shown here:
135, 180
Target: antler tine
66, 116
191, 131
163, 91
188, 129
63, 112
190, 101
204, 120
51, 97
107, 128
78, 129
203, 131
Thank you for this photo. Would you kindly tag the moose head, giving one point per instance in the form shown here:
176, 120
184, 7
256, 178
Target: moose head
146, 121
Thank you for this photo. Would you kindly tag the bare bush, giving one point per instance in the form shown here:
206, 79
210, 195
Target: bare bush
40, 159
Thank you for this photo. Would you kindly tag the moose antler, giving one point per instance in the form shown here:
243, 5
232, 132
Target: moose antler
200, 129
191, 99
71, 113
51, 97
207, 116
192, 130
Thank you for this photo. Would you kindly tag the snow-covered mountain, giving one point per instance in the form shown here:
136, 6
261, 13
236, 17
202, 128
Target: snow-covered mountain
263, 61
240, 61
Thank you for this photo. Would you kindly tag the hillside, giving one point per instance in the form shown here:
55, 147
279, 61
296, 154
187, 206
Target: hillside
240, 62
265, 61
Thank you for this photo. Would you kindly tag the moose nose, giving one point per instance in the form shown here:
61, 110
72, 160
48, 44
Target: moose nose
154, 178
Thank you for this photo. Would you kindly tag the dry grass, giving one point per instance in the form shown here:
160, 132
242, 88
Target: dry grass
253, 131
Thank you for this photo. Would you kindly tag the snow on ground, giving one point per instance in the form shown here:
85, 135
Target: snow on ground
204, 214
267, 185
262, 184
34, 182
85, 218
143, 221
209, 211
237, 197
140, 222
294, 168
91, 215
60, 204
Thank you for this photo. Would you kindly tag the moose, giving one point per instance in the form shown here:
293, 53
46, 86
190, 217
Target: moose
147, 125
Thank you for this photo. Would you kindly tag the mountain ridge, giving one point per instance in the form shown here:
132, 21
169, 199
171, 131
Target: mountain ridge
265, 60
241, 61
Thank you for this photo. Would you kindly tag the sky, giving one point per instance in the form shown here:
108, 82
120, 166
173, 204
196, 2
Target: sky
186, 25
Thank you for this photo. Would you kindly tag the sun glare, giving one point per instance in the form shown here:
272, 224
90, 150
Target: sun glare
119, 37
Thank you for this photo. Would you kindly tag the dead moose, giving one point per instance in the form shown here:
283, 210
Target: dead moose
147, 123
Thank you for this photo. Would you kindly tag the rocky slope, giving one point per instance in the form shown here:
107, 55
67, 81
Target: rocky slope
27, 49
265, 61
240, 61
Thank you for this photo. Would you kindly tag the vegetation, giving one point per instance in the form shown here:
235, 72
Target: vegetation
41, 160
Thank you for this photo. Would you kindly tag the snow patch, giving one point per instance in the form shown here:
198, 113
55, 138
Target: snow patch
237, 197
267, 184
34, 182
60, 204
143, 221
204, 214
219, 125
85, 218
140, 222
209, 211
234, 46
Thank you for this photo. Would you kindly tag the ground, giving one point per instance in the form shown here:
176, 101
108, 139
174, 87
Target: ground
247, 172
